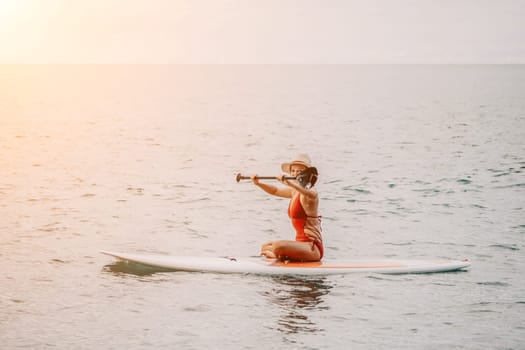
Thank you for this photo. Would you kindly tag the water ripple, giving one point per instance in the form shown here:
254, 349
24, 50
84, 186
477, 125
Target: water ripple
506, 246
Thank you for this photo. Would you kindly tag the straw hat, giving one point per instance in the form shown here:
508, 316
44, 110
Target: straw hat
300, 159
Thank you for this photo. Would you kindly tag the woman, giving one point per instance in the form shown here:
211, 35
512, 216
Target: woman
308, 244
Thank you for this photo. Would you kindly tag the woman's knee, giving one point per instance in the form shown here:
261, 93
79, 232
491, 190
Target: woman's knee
285, 249
296, 251
279, 246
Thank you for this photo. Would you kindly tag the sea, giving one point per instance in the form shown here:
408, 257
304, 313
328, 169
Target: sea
414, 161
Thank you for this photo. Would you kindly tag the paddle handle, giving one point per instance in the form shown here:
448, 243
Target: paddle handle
242, 177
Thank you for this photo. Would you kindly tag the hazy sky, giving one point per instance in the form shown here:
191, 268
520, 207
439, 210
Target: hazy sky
262, 31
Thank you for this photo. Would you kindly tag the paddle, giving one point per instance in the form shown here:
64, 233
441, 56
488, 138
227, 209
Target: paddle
242, 177
306, 177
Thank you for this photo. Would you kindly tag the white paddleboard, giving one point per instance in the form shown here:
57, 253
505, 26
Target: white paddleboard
263, 266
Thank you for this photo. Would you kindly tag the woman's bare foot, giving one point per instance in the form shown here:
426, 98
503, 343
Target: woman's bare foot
268, 254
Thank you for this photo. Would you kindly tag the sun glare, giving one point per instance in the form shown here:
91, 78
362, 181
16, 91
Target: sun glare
9, 10
8, 7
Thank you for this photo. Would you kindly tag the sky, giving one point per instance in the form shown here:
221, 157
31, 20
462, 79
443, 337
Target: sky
262, 31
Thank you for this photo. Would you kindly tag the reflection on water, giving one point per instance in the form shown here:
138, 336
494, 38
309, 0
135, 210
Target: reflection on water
130, 268
296, 298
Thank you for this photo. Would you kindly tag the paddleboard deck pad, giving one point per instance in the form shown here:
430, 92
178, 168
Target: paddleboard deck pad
263, 266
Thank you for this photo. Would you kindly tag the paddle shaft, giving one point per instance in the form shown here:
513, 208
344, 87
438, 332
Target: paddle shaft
241, 177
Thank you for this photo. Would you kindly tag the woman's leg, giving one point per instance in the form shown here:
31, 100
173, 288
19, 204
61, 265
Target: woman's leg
267, 250
292, 250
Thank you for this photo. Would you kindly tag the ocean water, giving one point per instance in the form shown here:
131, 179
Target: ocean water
415, 162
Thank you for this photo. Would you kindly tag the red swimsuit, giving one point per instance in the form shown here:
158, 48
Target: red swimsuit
299, 218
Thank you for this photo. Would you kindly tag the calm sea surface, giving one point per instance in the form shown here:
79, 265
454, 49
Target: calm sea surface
416, 162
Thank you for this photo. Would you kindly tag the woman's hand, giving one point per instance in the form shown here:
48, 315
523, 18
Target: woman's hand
255, 180
282, 179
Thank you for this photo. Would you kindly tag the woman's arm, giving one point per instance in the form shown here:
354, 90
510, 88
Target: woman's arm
310, 198
309, 194
283, 192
